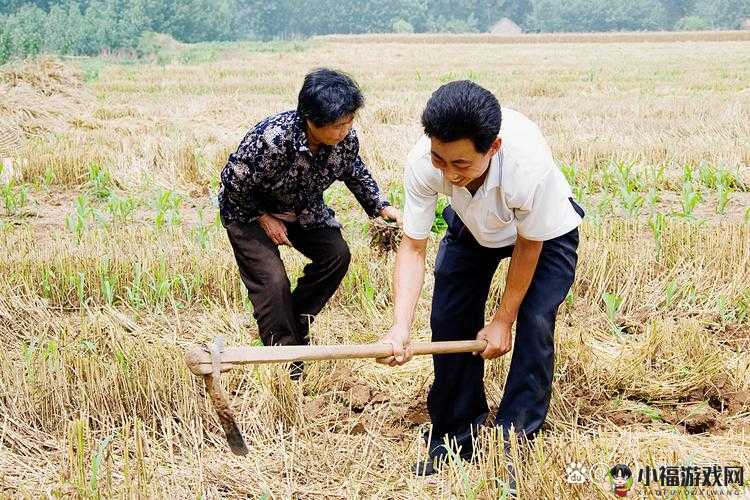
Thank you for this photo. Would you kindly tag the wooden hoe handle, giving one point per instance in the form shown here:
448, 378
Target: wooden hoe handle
199, 359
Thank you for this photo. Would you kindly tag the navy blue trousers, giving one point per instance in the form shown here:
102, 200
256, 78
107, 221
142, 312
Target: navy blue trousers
463, 272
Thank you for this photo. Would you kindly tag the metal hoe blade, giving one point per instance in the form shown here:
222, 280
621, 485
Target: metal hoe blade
220, 400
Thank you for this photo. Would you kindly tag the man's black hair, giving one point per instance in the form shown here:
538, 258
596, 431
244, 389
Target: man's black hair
463, 110
327, 96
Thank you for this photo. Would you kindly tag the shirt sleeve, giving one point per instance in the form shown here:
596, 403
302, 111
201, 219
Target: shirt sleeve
245, 172
419, 206
548, 213
362, 185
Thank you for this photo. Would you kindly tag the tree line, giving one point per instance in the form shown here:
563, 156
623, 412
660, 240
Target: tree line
91, 26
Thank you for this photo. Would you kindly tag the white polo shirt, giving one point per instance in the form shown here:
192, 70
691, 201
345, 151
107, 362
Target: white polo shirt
524, 191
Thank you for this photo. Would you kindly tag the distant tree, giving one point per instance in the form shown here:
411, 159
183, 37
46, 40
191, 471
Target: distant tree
6, 45
486, 13
415, 12
440, 24
597, 15
459, 15
194, 20
268, 19
692, 23
518, 10
64, 29
728, 14
11, 6
25, 31
677, 9
402, 26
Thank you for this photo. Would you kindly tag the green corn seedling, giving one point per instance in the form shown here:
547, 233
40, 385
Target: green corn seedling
709, 175
724, 189
82, 214
89, 346
135, 292
605, 204
78, 281
625, 177
612, 302
569, 171
99, 181
167, 210
396, 196
689, 200
656, 173
201, 233
121, 208
108, 290
631, 201
95, 467
439, 225
688, 172
14, 198
657, 222
653, 197
48, 178
201, 236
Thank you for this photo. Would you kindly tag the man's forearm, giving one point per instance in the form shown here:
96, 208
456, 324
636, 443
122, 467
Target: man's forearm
407, 283
522, 266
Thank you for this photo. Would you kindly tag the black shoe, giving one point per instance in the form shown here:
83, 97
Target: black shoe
296, 370
426, 467
434, 463
303, 331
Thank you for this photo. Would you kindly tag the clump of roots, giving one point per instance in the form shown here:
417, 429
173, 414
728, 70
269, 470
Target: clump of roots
384, 236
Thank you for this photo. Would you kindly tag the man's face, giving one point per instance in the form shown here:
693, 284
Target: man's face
333, 133
459, 162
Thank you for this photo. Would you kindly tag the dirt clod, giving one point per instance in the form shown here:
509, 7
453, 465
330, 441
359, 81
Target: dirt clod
358, 396
417, 414
315, 408
623, 417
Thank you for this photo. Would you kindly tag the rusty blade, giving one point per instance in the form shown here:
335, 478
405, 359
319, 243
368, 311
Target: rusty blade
220, 401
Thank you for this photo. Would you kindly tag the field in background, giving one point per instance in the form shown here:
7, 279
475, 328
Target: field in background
114, 261
526, 38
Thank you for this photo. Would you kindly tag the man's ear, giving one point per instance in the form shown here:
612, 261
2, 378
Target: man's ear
495, 146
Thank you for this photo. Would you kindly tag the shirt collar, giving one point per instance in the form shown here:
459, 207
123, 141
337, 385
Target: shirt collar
299, 135
494, 175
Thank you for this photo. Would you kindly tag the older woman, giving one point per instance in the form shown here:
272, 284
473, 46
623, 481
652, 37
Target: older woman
272, 194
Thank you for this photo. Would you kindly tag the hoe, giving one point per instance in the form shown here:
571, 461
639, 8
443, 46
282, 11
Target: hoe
215, 358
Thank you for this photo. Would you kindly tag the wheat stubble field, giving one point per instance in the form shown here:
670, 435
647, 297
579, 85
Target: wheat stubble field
113, 262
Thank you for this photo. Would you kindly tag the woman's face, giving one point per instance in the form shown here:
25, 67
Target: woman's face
333, 133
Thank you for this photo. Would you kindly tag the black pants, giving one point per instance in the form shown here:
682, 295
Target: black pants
283, 315
463, 271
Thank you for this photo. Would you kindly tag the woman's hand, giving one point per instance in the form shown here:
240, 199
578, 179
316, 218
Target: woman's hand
391, 213
275, 229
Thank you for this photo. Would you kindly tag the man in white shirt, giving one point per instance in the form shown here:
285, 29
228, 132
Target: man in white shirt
508, 199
